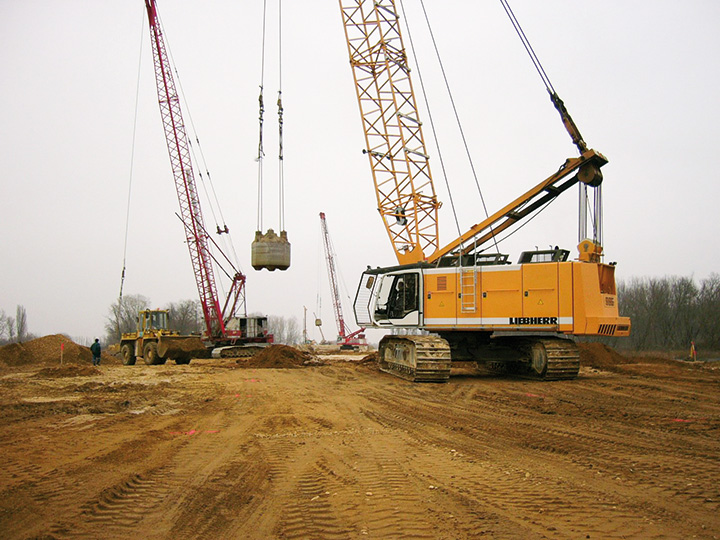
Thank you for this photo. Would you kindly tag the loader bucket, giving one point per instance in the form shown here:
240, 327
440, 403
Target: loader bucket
181, 348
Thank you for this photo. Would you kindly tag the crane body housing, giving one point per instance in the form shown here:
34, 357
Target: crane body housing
567, 297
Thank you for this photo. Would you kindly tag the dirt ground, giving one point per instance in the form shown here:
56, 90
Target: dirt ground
335, 449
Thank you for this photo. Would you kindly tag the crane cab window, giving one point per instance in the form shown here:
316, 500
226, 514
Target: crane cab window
398, 296
546, 255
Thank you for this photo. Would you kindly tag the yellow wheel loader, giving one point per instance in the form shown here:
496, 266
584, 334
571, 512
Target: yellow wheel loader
155, 343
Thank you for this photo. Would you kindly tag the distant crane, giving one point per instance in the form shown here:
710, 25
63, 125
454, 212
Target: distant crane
345, 339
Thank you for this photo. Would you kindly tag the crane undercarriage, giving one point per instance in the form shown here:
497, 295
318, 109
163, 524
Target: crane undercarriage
429, 358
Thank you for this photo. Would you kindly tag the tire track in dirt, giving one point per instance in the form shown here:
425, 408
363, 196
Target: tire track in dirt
344, 452
16, 471
536, 503
222, 502
393, 506
566, 445
299, 484
53, 486
120, 509
309, 510
565, 438
133, 498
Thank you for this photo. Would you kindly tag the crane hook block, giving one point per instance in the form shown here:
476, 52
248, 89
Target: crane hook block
270, 251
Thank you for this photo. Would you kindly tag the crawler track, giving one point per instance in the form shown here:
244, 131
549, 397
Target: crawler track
239, 351
416, 358
562, 359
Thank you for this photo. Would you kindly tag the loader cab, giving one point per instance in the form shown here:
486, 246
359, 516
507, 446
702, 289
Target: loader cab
389, 299
152, 320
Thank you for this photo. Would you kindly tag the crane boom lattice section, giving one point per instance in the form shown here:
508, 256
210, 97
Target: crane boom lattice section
393, 132
179, 150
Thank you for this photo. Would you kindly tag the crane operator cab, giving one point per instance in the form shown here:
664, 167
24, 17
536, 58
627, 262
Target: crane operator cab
389, 299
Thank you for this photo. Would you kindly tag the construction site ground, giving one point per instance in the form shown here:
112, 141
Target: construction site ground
329, 447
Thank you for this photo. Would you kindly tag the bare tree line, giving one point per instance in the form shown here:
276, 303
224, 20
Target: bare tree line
285, 330
14, 329
186, 318
671, 312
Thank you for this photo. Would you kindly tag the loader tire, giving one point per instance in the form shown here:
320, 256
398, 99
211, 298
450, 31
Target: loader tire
150, 354
128, 354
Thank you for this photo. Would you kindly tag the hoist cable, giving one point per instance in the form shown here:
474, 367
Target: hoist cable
211, 195
187, 114
261, 152
281, 167
259, 159
526, 221
132, 162
528, 47
457, 118
570, 126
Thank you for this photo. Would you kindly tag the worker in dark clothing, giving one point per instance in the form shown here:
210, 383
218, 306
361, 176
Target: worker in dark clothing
397, 302
95, 350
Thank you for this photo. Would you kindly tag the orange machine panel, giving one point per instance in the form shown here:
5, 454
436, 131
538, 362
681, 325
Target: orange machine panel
441, 297
540, 290
501, 294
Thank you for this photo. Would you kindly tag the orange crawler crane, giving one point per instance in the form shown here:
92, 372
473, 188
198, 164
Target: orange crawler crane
475, 305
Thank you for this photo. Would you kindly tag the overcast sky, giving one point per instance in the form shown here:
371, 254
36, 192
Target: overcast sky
641, 80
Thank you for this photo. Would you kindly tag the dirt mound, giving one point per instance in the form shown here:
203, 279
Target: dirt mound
368, 362
277, 356
371, 358
46, 350
69, 370
600, 356
15, 354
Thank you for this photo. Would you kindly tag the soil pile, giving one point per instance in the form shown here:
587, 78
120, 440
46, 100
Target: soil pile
182, 348
277, 356
371, 358
47, 350
369, 361
15, 354
600, 356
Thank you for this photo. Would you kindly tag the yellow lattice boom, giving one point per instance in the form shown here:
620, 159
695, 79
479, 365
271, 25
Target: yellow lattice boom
393, 132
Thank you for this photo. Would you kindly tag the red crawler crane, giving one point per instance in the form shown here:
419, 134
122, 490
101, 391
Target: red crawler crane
346, 340
198, 240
